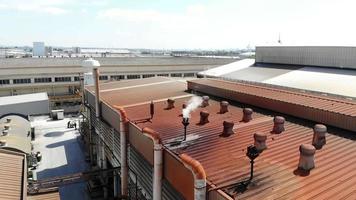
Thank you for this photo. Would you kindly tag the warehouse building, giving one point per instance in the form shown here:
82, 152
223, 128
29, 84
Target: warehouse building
61, 76
321, 69
25, 105
164, 153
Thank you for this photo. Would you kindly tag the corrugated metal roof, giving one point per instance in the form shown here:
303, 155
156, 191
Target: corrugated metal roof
225, 161
323, 109
131, 92
224, 158
11, 174
25, 98
337, 81
45, 196
110, 61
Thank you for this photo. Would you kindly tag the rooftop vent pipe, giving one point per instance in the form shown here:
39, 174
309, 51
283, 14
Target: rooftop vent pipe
2, 143
247, 114
252, 153
260, 141
94, 64
7, 127
319, 139
306, 159
228, 126
8, 120
170, 104
152, 109
185, 123
184, 105
205, 102
224, 107
204, 117
278, 126
5, 132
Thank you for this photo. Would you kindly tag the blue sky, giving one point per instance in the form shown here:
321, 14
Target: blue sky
177, 24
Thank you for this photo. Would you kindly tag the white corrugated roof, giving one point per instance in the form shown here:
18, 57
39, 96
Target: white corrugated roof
9, 100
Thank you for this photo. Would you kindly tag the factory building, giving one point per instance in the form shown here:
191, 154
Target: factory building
327, 70
60, 77
215, 139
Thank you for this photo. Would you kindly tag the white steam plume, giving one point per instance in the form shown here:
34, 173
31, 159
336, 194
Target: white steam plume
193, 104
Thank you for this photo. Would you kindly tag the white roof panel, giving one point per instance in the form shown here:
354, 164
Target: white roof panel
9, 100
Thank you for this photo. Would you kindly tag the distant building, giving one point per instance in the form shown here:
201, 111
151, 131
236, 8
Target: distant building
49, 51
76, 50
321, 69
24, 105
39, 49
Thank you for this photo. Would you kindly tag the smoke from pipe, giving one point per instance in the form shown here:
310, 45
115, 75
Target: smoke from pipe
192, 104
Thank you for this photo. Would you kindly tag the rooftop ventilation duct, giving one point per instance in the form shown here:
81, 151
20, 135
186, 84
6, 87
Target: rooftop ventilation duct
170, 104
306, 159
319, 139
228, 126
278, 126
7, 127
8, 120
2, 143
204, 117
205, 102
224, 107
260, 141
5, 132
247, 114
184, 105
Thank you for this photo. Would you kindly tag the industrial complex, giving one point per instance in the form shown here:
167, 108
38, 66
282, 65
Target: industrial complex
246, 129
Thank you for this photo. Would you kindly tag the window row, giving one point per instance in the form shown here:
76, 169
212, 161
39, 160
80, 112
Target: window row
102, 77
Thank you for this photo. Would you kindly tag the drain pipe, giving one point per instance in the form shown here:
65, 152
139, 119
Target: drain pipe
157, 160
124, 130
199, 176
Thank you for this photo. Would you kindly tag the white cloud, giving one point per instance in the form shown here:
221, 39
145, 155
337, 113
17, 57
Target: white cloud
49, 7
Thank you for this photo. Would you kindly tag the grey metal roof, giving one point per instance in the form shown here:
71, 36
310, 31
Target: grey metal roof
116, 61
9, 100
336, 81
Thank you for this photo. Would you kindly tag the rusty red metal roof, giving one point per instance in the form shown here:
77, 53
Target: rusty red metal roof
134, 92
323, 109
224, 158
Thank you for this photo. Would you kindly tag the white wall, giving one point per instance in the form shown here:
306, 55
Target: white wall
29, 108
344, 57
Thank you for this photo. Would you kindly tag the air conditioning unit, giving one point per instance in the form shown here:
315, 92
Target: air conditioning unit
57, 114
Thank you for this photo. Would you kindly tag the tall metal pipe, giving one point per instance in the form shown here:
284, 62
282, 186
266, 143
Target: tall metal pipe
157, 162
97, 91
124, 130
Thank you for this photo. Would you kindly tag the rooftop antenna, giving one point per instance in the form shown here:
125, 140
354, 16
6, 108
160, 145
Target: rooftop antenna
279, 39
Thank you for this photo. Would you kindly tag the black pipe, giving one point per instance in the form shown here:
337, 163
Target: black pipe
152, 109
185, 123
